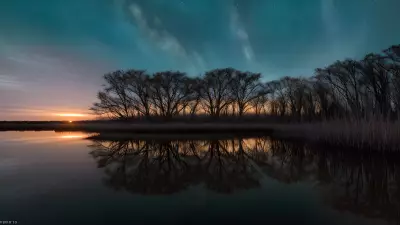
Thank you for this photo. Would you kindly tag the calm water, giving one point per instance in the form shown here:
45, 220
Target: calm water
62, 178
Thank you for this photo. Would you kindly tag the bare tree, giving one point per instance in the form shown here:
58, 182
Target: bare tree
259, 104
115, 101
393, 53
169, 93
310, 100
245, 88
278, 92
376, 76
216, 92
324, 96
138, 85
295, 92
192, 100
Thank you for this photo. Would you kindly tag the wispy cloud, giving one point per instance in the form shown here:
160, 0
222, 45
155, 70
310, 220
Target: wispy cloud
329, 18
241, 34
338, 42
162, 38
10, 83
166, 41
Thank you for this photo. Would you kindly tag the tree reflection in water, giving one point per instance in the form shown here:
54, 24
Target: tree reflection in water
359, 182
162, 167
363, 183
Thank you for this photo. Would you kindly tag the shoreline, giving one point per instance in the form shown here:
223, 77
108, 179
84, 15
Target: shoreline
140, 127
344, 134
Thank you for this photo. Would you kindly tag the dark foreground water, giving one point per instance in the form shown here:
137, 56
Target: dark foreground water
61, 178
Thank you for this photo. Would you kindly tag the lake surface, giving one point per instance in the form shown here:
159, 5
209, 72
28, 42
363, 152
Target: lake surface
63, 178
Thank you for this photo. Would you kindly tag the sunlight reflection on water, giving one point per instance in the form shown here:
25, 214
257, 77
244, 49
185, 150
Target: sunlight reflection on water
41, 137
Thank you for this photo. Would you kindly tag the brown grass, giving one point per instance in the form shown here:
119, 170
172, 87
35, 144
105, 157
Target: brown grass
377, 135
127, 127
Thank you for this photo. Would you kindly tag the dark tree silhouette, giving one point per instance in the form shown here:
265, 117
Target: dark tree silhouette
140, 92
114, 99
169, 93
216, 94
245, 88
358, 89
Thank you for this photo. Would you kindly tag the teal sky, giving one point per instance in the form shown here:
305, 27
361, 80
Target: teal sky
53, 53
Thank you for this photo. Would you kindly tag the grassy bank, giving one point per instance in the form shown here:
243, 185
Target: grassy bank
176, 136
162, 128
353, 134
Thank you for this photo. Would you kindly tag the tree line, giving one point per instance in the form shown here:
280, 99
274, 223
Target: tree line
361, 89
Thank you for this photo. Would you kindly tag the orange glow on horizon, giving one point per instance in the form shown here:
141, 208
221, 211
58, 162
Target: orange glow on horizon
72, 115
72, 136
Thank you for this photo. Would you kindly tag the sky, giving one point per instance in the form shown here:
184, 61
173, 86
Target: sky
53, 53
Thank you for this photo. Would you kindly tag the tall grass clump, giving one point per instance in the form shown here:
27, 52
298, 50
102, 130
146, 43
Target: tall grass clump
360, 134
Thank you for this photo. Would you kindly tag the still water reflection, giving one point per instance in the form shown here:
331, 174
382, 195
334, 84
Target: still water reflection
66, 179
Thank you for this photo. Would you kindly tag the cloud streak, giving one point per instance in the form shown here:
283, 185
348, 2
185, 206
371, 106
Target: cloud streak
239, 31
162, 38
166, 41
10, 83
